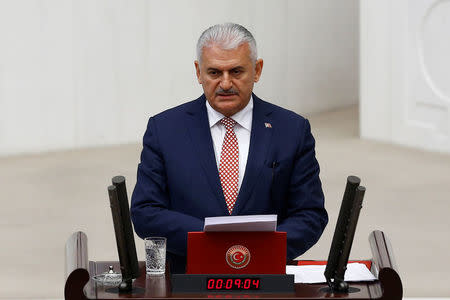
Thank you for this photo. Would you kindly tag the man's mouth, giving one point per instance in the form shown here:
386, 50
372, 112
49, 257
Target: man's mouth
226, 95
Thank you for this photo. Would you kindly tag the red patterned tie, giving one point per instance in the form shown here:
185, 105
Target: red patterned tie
229, 164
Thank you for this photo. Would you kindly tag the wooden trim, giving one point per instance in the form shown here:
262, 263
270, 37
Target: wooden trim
76, 274
385, 267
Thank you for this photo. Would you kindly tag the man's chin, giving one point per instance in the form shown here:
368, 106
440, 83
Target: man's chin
227, 110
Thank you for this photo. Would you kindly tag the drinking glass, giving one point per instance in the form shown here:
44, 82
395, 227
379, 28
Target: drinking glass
155, 255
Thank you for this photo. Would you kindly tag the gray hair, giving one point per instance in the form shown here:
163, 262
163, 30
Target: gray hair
228, 36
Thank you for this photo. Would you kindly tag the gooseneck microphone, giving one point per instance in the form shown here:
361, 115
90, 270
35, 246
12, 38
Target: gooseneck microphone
124, 233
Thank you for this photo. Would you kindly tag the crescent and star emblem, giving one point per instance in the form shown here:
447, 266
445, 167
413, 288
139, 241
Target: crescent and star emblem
237, 256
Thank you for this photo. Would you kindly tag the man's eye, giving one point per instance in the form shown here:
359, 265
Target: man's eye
236, 72
213, 72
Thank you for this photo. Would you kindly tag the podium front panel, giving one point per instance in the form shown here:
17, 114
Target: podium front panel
236, 253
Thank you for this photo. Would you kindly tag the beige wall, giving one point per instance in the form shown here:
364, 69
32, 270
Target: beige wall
89, 73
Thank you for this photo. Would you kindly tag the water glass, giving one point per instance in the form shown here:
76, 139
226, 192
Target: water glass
155, 255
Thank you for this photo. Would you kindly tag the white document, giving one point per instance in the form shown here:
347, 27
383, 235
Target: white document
314, 274
241, 223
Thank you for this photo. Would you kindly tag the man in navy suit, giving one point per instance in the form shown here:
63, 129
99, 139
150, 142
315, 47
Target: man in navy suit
227, 153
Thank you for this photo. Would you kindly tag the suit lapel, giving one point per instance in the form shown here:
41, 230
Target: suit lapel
200, 133
260, 138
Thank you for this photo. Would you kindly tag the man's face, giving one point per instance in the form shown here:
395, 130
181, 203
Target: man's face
227, 77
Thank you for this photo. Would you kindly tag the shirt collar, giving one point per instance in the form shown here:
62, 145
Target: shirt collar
242, 117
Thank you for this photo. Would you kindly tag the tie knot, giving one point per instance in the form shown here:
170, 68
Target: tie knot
228, 123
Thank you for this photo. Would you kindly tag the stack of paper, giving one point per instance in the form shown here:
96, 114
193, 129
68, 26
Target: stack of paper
314, 273
241, 223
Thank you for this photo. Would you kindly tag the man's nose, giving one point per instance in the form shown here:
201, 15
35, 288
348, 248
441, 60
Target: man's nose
225, 82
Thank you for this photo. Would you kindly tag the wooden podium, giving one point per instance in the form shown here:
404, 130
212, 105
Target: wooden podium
80, 285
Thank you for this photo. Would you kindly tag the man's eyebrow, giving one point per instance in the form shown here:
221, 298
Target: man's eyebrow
233, 68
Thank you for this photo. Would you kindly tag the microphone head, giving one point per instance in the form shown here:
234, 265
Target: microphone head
353, 180
116, 180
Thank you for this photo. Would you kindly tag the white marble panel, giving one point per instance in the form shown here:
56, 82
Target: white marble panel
35, 73
411, 89
434, 43
322, 54
426, 106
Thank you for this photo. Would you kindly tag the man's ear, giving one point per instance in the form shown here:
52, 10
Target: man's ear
197, 71
258, 69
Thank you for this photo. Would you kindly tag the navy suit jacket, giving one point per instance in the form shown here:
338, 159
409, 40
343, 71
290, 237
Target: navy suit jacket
178, 182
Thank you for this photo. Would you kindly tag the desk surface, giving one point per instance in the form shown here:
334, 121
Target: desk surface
159, 287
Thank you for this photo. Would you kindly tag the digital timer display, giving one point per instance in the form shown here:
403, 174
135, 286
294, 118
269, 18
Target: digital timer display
232, 283
227, 283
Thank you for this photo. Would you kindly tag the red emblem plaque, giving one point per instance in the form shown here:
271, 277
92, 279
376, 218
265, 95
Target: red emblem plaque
237, 257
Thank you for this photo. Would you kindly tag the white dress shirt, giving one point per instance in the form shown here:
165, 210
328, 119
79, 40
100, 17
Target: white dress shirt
242, 129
